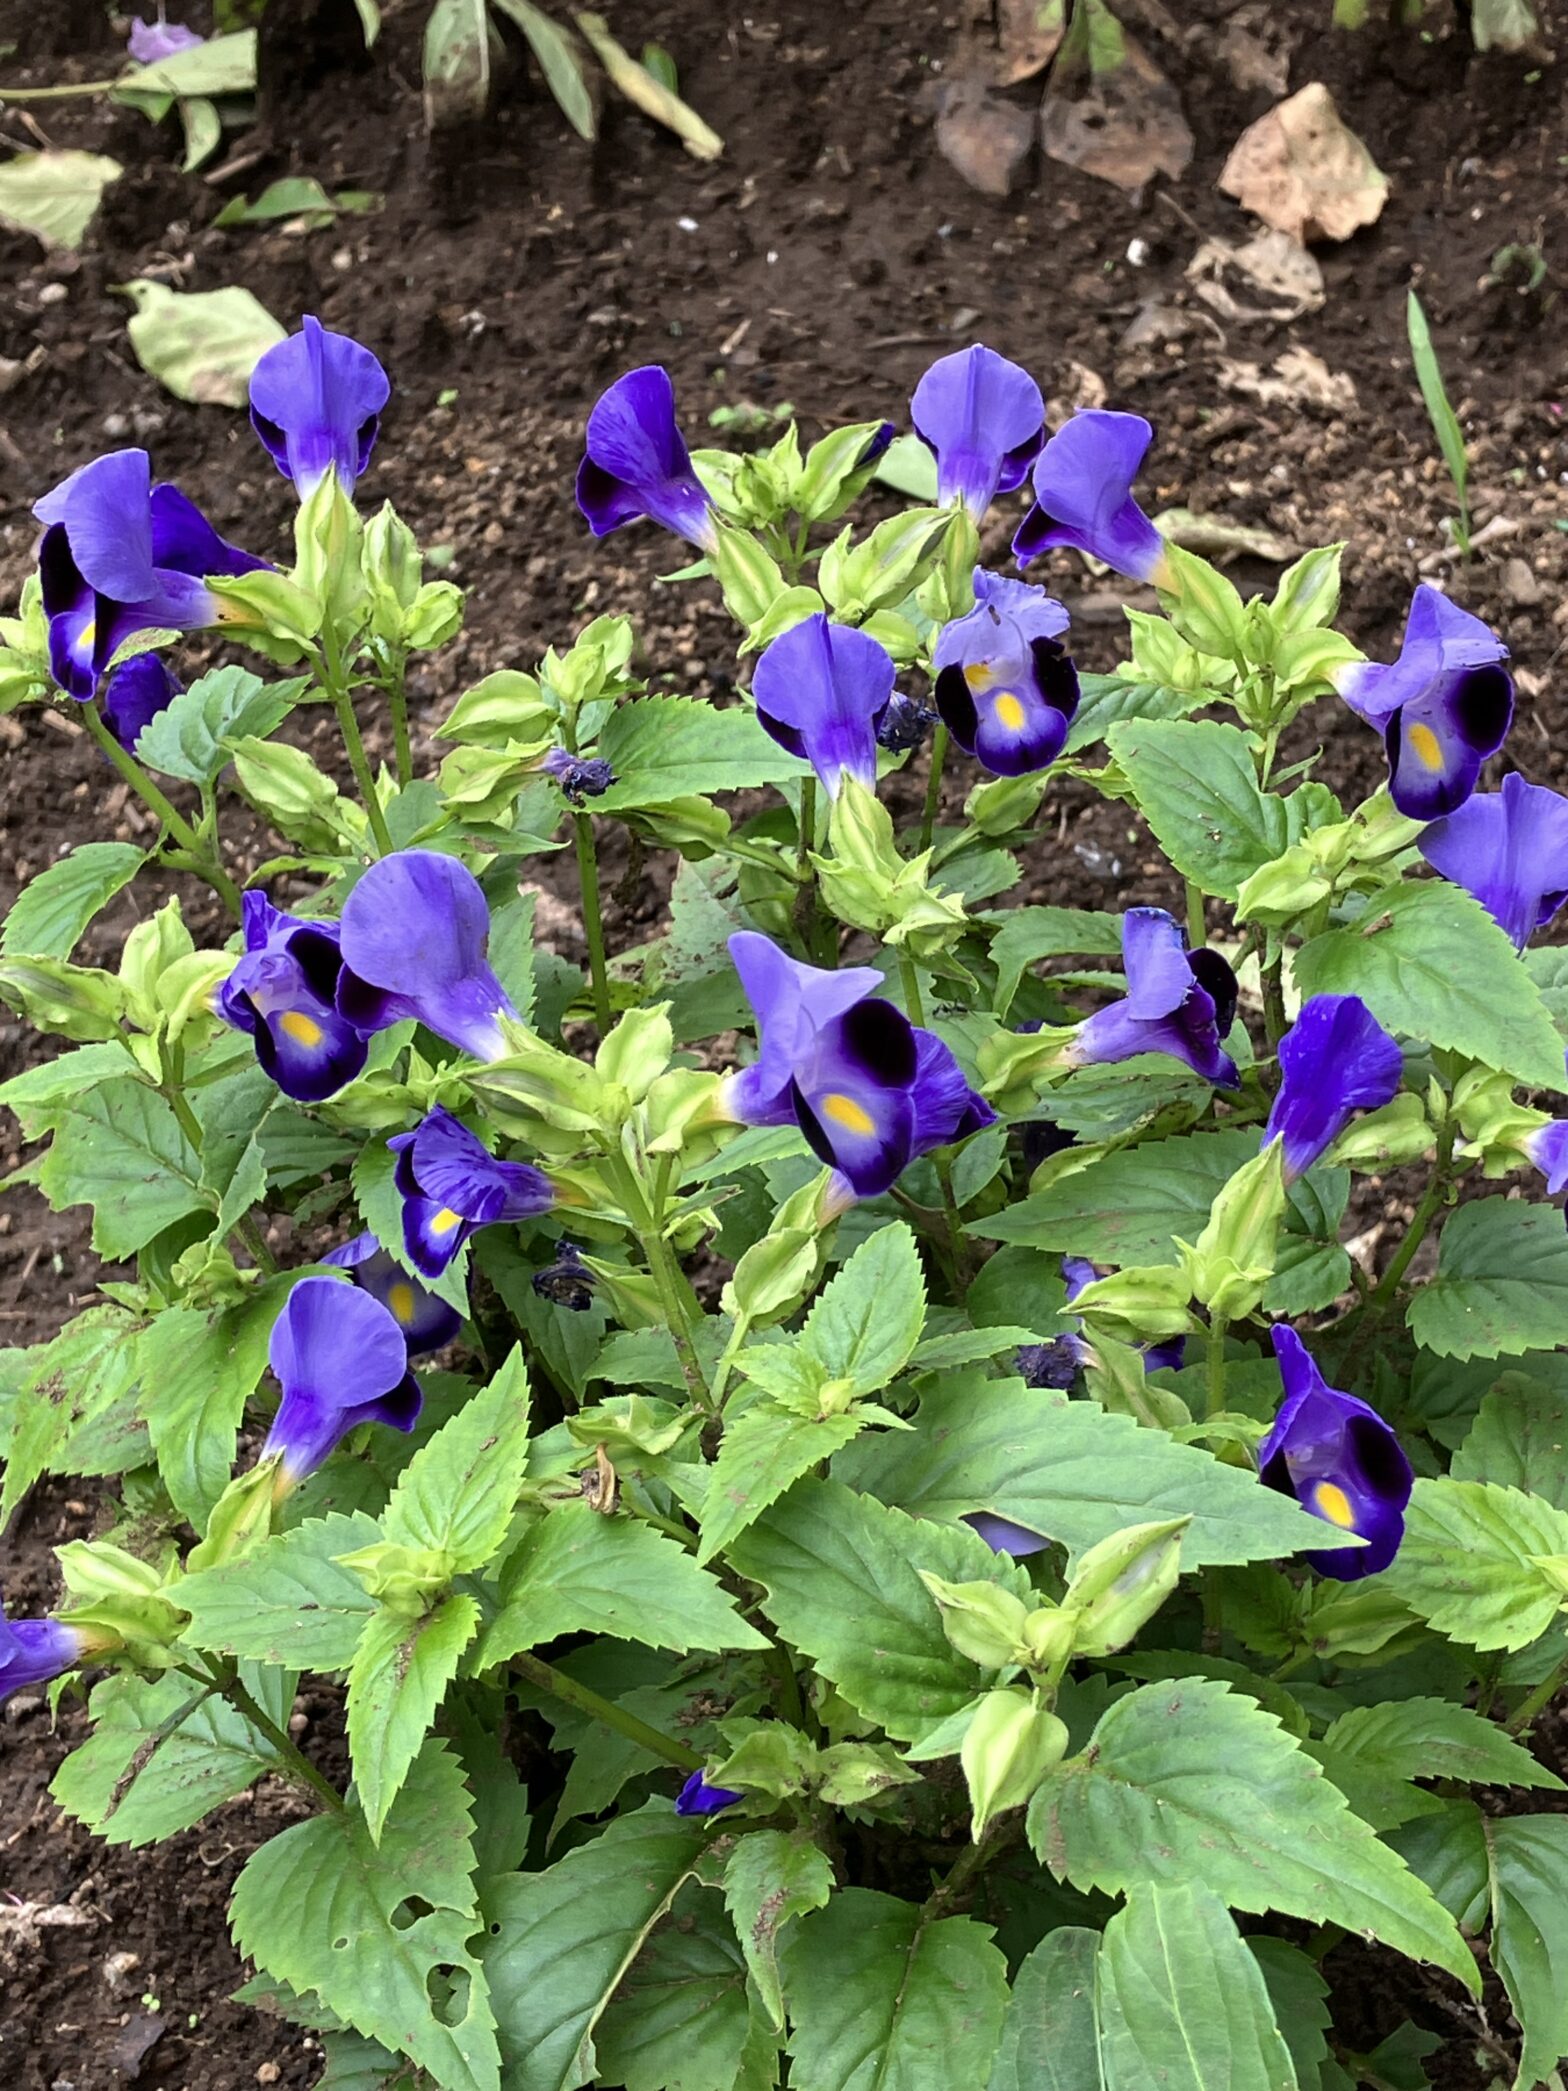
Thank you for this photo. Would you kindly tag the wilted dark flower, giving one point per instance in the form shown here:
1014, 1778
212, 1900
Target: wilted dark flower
567, 1282
579, 777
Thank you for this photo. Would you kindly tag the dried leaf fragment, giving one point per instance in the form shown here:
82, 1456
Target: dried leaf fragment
1301, 170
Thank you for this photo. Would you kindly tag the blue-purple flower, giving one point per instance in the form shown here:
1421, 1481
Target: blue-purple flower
341, 1360
1443, 707
1335, 1060
282, 993
1547, 1148
150, 42
867, 1089
821, 689
426, 1322
415, 941
120, 556
1177, 1002
1005, 687
451, 1185
315, 402
697, 1797
637, 464
580, 777
984, 419
1083, 496
134, 695
1340, 1461
32, 1651
1510, 849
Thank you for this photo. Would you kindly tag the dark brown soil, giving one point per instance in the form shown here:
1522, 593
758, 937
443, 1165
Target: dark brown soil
824, 261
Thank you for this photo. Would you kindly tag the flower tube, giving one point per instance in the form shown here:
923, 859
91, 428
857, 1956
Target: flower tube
1336, 1059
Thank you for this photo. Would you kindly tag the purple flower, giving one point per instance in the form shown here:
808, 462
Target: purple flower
567, 1282
1444, 706
426, 1322
1508, 848
697, 1797
1339, 1459
579, 777
1547, 1148
341, 1360
315, 402
984, 419
1083, 496
637, 463
134, 695
120, 556
1177, 1002
149, 42
281, 992
451, 1185
415, 938
821, 689
1335, 1059
1005, 688
32, 1651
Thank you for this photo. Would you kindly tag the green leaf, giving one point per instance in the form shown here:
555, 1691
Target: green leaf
560, 59
201, 345
1527, 1859
886, 2000
398, 1678
52, 910
55, 195
1126, 1207
181, 1773
1025, 935
356, 2064
868, 1319
578, 1572
186, 739
1520, 1434
681, 2020
665, 748
772, 1876
841, 1572
349, 1947
1466, 1563
562, 1941
1050, 2037
36, 1094
121, 1152
648, 92
1072, 1470
65, 1386
199, 1366
456, 64
1430, 962
1429, 376
1435, 1739
1105, 700
1182, 2002
1501, 1283
221, 65
1297, 1993
1197, 786
763, 1451
1187, 1782
287, 1602
909, 468
457, 1494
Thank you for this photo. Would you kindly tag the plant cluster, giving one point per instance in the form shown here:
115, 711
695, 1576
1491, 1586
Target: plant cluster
871, 1526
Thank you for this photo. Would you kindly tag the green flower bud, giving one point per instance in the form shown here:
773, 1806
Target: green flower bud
981, 1620
1384, 1139
1010, 1745
1203, 606
637, 1051
504, 709
328, 545
124, 1602
1283, 889
1147, 1303
286, 788
1233, 1258
851, 1774
771, 1757
888, 566
241, 1518
404, 1578
1121, 1582
749, 577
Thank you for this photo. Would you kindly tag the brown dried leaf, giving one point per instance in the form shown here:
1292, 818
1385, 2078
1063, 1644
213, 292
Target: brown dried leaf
1303, 172
1123, 124
1284, 276
1029, 34
984, 139
1299, 379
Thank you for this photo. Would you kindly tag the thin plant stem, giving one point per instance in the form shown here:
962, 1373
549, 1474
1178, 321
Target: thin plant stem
397, 702
200, 858
805, 910
1421, 1220
970, 1862
1543, 1694
939, 742
958, 1247
1197, 927
359, 762
245, 1229
1274, 1022
1214, 1388
675, 1295
293, 1760
593, 920
567, 1689
249, 1232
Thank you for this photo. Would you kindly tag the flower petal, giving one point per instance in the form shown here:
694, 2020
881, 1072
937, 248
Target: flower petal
416, 929
1335, 1059
1438, 742
105, 510
340, 1359
315, 402
1083, 495
826, 684
1508, 848
984, 418
637, 463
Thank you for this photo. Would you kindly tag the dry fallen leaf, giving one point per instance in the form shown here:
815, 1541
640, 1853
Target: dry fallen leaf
1028, 35
986, 140
1303, 172
1252, 64
1286, 279
1123, 124
1212, 537
1299, 379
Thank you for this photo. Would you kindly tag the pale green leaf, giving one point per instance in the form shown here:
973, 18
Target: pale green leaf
219, 65
1501, 1283
55, 194
457, 1494
186, 739
1050, 2037
287, 1602
1465, 1564
52, 910
773, 1876
66, 1385
649, 93
868, 1319
561, 60
398, 1678
201, 345
671, 747
1196, 784
456, 63
122, 1152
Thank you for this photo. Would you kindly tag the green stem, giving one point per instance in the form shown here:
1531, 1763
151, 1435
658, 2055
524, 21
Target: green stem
969, 1862
397, 700
1214, 1391
1545, 1691
245, 1228
560, 1686
60, 94
1274, 1022
805, 909
593, 920
250, 1234
1197, 928
359, 762
293, 1759
939, 741
202, 859
941, 1161
1421, 1220
675, 1295
726, 1364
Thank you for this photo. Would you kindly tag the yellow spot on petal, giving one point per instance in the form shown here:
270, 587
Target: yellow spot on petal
1425, 744
89, 634
1010, 712
1329, 1500
845, 1113
979, 675
401, 1300
445, 1220
304, 1030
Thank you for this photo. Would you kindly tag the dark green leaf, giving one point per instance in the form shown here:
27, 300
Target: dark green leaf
1520, 1435
1050, 2038
1126, 1207
1196, 784
287, 1601
1501, 1283
763, 1451
1105, 700
665, 748
681, 2020
770, 1878
199, 1367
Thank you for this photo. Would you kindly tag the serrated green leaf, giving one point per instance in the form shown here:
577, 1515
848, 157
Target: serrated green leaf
665, 748
578, 1572
762, 1453
1188, 1782
1106, 700
841, 1573
39, 1095
287, 1601
397, 1680
457, 1494
353, 2063
1520, 1434
1527, 1858
868, 1319
772, 1876
186, 739
317, 1908
1435, 1739
681, 2020
65, 1386
199, 1366
1050, 2037
1026, 935
1430, 962
1127, 1207
121, 1151
1501, 1283
1073, 1471
1196, 784
883, 1999
52, 910
1182, 2002
562, 1940
1465, 1566
1297, 1994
